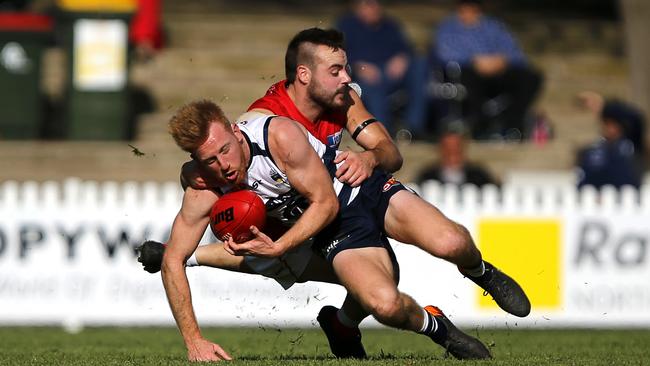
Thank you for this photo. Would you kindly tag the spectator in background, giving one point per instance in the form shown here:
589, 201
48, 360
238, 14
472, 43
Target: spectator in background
383, 63
452, 166
500, 84
616, 158
629, 116
146, 31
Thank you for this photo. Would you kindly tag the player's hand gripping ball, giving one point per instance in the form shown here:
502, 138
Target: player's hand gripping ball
234, 213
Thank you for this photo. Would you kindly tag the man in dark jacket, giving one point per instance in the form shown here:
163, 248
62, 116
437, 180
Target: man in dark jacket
383, 63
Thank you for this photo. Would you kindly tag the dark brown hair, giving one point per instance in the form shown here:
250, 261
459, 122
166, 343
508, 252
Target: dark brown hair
301, 48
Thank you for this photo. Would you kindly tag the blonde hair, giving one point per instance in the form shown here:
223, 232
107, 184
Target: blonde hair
189, 126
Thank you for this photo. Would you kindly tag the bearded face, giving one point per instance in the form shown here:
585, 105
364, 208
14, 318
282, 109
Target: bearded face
330, 77
336, 98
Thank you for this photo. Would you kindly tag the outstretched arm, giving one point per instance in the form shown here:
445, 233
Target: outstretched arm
380, 150
187, 230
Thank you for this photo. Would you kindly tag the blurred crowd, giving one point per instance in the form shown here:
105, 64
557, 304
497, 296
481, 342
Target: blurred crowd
494, 85
473, 82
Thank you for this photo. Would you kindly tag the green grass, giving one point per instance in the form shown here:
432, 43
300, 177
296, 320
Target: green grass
257, 346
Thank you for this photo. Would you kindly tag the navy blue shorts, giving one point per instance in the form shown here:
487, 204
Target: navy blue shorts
360, 223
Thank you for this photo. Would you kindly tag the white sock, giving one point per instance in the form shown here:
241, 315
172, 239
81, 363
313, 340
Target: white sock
476, 271
191, 261
425, 322
429, 325
345, 319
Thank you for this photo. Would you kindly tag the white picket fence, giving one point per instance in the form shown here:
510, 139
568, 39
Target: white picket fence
89, 194
70, 245
515, 199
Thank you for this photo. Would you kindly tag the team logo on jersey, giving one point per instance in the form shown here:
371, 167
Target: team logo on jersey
275, 176
335, 139
278, 178
390, 183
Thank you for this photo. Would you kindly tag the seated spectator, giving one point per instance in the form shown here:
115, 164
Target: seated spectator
629, 116
383, 63
615, 159
500, 84
452, 166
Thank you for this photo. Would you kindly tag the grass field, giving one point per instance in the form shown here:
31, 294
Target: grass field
257, 346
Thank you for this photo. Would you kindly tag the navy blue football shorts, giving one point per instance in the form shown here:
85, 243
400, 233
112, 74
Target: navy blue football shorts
360, 221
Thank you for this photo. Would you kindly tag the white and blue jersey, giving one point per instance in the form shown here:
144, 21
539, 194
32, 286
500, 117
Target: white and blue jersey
272, 184
360, 221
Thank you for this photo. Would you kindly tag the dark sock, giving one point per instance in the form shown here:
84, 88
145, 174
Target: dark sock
433, 328
475, 272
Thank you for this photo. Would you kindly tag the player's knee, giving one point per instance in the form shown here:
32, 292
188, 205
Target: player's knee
457, 242
386, 306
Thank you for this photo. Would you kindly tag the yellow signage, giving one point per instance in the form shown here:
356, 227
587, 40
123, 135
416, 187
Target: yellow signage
528, 250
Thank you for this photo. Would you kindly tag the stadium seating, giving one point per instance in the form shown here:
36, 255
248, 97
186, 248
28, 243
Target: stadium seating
214, 52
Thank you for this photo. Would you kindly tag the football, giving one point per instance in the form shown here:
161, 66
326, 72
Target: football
235, 212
